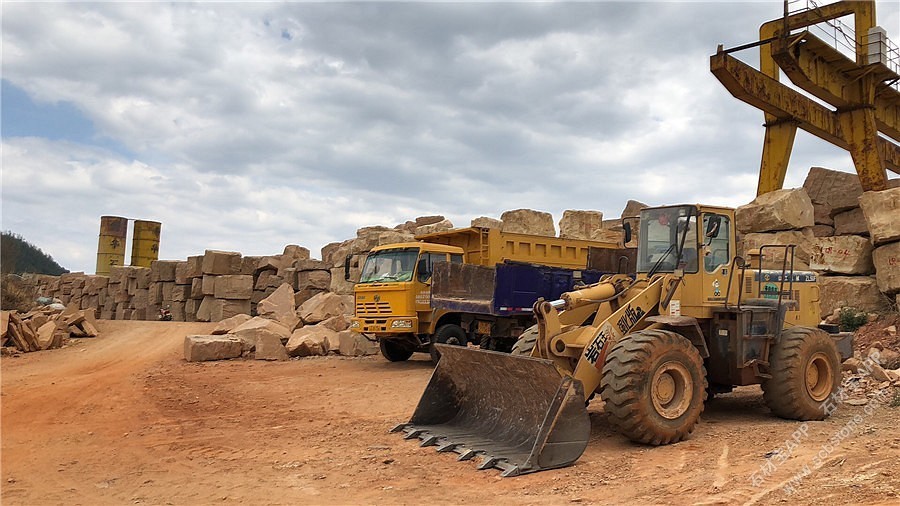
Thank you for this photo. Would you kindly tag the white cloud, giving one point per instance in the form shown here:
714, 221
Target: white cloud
255, 125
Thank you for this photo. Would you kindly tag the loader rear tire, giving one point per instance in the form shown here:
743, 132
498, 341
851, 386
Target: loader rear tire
526, 342
447, 334
806, 371
394, 351
654, 386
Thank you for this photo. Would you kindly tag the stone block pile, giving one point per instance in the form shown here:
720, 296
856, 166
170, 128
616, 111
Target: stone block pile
850, 237
44, 328
283, 329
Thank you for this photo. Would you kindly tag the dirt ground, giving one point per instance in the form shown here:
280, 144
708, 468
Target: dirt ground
123, 419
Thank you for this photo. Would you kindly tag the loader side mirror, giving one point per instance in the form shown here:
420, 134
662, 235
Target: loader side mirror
347, 268
712, 226
627, 227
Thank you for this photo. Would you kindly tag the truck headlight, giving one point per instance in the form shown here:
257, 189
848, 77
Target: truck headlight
354, 324
401, 324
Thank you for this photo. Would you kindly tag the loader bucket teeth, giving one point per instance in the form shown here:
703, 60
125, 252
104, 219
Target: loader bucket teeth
519, 413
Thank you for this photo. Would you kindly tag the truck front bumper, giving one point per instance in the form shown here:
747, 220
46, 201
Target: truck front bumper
379, 325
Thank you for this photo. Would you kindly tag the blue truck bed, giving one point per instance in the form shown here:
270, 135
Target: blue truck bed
508, 289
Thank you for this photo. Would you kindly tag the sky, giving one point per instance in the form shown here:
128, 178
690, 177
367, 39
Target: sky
247, 126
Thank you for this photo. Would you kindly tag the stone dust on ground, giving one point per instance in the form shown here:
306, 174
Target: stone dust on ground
121, 418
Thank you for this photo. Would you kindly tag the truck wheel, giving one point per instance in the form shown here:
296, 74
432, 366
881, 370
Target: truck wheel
654, 386
447, 334
526, 342
394, 351
806, 371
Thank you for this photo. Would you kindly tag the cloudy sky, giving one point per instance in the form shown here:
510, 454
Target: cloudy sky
246, 126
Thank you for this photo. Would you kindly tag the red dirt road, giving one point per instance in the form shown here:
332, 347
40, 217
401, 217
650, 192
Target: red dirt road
123, 419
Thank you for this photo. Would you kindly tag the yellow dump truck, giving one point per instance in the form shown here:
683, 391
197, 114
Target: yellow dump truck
394, 294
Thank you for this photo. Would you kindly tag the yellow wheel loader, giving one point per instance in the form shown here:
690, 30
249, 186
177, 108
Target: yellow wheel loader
695, 320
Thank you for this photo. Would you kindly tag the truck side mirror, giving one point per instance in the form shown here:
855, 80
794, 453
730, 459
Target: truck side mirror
627, 227
347, 268
712, 226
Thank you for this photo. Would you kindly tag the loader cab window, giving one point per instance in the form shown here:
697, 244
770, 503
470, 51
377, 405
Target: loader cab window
716, 253
426, 265
389, 266
456, 258
669, 240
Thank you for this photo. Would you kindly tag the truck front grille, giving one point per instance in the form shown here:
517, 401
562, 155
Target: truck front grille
373, 308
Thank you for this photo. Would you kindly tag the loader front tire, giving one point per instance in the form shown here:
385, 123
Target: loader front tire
654, 386
394, 351
806, 371
526, 342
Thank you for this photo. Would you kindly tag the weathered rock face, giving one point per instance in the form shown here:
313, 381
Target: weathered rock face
485, 222
774, 211
309, 341
221, 262
293, 252
860, 292
279, 306
840, 190
269, 347
577, 224
850, 222
228, 324
355, 345
528, 221
203, 348
440, 226
319, 280
803, 239
882, 214
844, 254
322, 307
422, 221
396, 236
339, 285
887, 267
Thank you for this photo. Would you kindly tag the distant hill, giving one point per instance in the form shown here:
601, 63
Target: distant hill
18, 256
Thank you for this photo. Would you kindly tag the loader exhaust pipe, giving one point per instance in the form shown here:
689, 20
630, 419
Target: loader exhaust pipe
518, 414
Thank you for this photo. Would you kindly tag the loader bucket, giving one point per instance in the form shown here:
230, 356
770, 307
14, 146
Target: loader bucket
518, 414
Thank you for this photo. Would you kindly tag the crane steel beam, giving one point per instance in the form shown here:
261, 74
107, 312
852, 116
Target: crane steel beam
826, 73
853, 130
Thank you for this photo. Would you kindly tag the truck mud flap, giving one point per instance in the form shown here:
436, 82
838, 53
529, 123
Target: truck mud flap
517, 414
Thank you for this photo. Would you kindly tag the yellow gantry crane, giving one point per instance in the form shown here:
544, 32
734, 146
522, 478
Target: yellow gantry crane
863, 93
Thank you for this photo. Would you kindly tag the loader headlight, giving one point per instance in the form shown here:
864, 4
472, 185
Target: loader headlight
401, 324
354, 324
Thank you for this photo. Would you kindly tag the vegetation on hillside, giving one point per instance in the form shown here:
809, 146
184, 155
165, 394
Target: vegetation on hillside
18, 256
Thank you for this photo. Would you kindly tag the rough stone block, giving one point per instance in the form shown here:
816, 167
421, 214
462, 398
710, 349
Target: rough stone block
881, 211
182, 270
237, 286
226, 308
441, 226
203, 348
227, 325
528, 221
577, 224
774, 211
163, 270
352, 344
840, 190
209, 285
310, 341
850, 222
860, 292
311, 265
320, 280
844, 254
803, 239
204, 311
221, 262
887, 267
323, 306
181, 293
269, 347
197, 288
486, 222
279, 306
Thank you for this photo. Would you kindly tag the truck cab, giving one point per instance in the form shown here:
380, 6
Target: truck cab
393, 296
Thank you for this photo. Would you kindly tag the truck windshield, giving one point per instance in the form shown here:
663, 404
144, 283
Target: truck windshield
389, 265
660, 242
